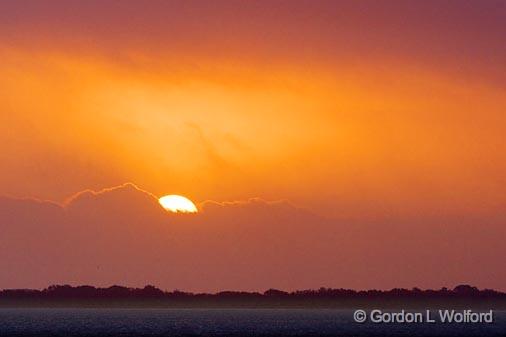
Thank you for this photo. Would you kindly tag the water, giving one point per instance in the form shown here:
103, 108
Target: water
221, 322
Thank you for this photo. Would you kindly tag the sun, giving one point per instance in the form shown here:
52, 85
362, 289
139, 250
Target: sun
177, 204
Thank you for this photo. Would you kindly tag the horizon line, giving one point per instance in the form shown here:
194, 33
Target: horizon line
176, 290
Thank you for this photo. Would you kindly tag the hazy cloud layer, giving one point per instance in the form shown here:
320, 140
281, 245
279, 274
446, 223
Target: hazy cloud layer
123, 236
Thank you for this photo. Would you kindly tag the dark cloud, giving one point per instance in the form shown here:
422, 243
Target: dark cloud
122, 236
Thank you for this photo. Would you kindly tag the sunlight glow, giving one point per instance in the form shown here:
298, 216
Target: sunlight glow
177, 204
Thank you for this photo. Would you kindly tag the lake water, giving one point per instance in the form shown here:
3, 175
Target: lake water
221, 322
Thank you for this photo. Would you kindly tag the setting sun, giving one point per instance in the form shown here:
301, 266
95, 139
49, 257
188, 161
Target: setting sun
177, 204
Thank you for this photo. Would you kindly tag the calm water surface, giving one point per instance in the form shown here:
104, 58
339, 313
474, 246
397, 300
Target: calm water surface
221, 322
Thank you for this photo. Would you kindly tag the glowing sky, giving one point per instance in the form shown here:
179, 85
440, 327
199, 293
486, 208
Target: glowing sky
381, 123
349, 109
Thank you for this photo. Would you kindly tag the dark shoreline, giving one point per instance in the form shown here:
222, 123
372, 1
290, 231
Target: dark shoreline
461, 297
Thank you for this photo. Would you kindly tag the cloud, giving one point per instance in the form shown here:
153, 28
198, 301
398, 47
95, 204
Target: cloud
215, 158
121, 235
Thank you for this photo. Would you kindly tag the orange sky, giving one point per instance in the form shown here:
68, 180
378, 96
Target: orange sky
351, 110
226, 125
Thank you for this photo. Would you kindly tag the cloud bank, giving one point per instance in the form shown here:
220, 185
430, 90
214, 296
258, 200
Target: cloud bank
123, 236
